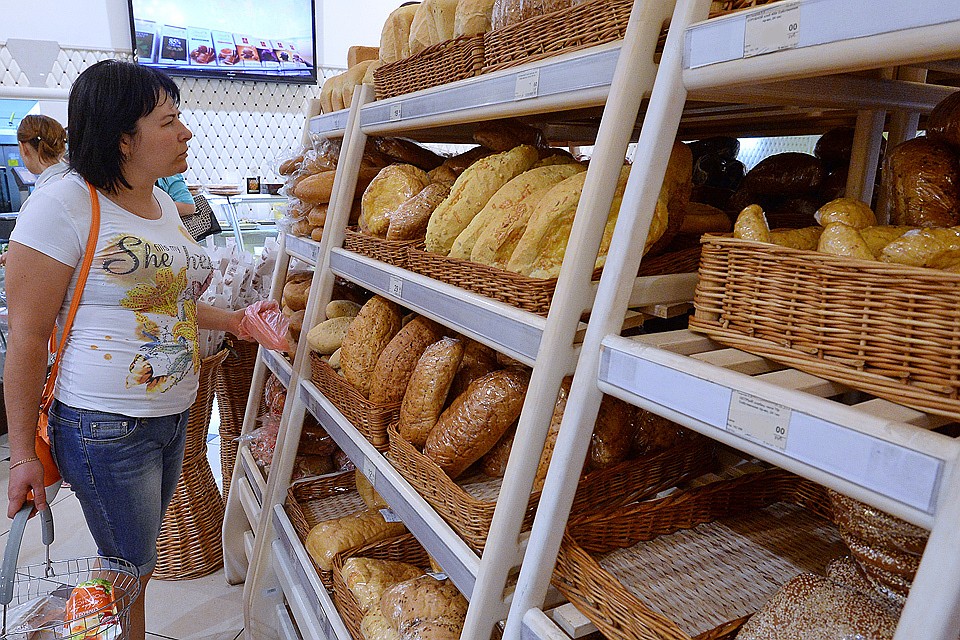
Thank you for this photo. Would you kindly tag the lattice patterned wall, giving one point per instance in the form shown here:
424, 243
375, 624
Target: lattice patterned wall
239, 128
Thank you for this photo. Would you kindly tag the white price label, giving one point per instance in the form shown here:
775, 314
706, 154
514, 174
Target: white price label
370, 471
396, 287
528, 84
772, 29
390, 516
759, 420
436, 575
396, 111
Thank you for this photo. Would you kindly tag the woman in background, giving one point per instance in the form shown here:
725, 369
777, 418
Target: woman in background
42, 143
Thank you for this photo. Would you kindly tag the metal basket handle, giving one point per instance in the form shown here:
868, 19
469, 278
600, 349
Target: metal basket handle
8, 570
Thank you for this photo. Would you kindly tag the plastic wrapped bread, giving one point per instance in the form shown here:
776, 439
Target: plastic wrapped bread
612, 434
395, 36
922, 180
919, 245
805, 238
944, 121
752, 224
494, 462
392, 187
366, 338
427, 388
368, 494
423, 600
330, 537
399, 358
410, 219
848, 211
368, 578
375, 626
880, 236
552, 431
843, 240
478, 360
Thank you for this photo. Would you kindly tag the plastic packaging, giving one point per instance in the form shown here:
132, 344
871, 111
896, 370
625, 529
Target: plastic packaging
785, 174
275, 395
655, 433
263, 440
88, 611
310, 466
263, 322
944, 121
922, 182
722, 146
422, 601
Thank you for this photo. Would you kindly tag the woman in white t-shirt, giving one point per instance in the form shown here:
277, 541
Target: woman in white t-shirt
130, 369
42, 142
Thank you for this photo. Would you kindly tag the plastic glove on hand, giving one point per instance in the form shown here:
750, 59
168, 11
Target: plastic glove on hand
263, 322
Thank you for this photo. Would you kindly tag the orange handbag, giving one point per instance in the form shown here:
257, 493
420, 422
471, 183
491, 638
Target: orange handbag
50, 472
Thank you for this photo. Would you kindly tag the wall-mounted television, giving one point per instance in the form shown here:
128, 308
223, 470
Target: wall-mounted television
236, 39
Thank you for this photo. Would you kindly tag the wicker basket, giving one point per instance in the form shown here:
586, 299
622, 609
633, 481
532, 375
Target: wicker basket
701, 561
884, 328
233, 382
370, 419
529, 294
402, 549
442, 63
319, 499
389, 251
468, 507
190, 544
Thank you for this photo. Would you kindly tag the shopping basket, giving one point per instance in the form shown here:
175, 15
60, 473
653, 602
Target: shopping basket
36, 595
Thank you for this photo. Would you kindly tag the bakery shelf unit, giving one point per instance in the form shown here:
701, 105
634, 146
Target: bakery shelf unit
873, 450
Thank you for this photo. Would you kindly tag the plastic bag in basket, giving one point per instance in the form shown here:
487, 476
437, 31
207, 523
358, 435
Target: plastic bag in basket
91, 612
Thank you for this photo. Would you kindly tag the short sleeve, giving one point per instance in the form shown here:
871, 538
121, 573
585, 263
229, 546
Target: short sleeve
176, 186
49, 224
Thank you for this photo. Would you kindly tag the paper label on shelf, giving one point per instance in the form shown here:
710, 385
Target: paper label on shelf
396, 111
759, 420
528, 84
390, 516
436, 575
370, 471
396, 287
772, 29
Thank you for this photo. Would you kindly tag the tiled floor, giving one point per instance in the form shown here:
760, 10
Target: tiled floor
202, 609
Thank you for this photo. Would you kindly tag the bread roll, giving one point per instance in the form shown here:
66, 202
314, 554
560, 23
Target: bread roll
317, 188
807, 238
368, 578
399, 358
612, 434
295, 293
922, 179
880, 236
427, 388
506, 206
494, 462
443, 175
432, 24
472, 17
290, 165
848, 211
393, 186
475, 186
408, 152
327, 336
318, 215
369, 495
751, 224
423, 600
459, 163
330, 537
410, 219
340, 308
843, 240
395, 36
316, 234
944, 121
366, 338
478, 360
919, 245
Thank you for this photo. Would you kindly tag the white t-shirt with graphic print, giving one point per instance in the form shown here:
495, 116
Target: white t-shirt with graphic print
133, 349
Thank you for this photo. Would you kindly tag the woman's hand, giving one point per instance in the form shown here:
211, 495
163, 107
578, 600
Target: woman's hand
24, 478
263, 322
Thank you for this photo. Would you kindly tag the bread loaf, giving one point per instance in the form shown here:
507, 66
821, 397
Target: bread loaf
460, 162
751, 224
330, 537
843, 240
327, 336
478, 360
341, 308
919, 245
675, 196
316, 234
612, 434
317, 188
290, 165
503, 135
945, 261
472, 190
326, 93
848, 211
703, 218
410, 219
368, 494
785, 174
368, 578
395, 36
505, 13
366, 338
296, 323
423, 600
474, 422
295, 294
427, 388
443, 175
398, 359
375, 626
922, 179
510, 203
806, 238
393, 186
472, 17
654, 433
880, 236
317, 215
432, 24
352, 79
552, 431
494, 462
944, 121
406, 151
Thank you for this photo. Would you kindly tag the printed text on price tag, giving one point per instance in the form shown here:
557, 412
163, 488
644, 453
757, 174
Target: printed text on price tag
759, 420
772, 29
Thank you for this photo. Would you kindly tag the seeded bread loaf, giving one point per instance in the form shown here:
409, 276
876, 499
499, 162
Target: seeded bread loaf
922, 179
368, 578
366, 338
478, 360
398, 359
423, 600
410, 220
427, 389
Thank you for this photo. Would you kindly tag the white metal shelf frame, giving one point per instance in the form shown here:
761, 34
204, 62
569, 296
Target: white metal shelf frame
677, 386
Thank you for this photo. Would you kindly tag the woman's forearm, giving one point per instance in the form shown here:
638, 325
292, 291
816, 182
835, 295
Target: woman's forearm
24, 374
216, 319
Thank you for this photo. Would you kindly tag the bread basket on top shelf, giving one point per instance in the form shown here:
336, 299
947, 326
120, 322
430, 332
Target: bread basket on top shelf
389, 251
652, 569
441, 63
887, 329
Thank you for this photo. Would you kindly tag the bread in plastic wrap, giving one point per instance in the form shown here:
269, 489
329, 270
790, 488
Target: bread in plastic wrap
426, 391
805, 238
472, 190
612, 434
494, 462
922, 182
366, 338
811, 607
917, 246
848, 211
834, 147
843, 240
703, 218
475, 420
317, 188
788, 174
368, 494
368, 578
409, 221
423, 600
473, 17
442, 175
434, 630
330, 537
944, 121
327, 336
395, 36
945, 261
375, 626
752, 224
655, 433
505, 13
478, 360
553, 430
880, 236
393, 186
399, 358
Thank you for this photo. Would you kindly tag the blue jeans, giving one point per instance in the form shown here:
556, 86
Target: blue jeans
124, 472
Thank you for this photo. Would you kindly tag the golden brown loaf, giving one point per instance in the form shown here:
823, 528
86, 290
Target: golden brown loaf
318, 215
296, 323
368, 578
881, 235
432, 24
443, 174
919, 245
752, 224
290, 165
409, 221
944, 121
494, 462
351, 79
422, 600
367, 493
805, 238
922, 178
393, 186
702, 218
395, 36
295, 294
472, 17
427, 389
654, 433
470, 426
843, 240
399, 357
848, 211
612, 434
316, 234
327, 336
408, 152
475, 186
328, 538
317, 188
366, 338
478, 360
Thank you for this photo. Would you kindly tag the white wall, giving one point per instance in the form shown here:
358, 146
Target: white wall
73, 23
345, 23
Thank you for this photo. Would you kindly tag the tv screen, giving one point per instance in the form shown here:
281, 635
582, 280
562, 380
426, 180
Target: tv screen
237, 39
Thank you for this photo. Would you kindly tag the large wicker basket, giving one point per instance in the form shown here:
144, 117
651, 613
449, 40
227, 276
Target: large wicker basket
233, 382
190, 543
468, 506
370, 419
319, 499
529, 294
390, 251
888, 329
697, 563
442, 63
402, 549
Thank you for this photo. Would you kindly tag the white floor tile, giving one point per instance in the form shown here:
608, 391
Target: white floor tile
202, 609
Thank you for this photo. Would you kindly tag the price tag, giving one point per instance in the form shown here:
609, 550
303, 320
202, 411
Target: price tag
396, 111
396, 287
390, 516
436, 575
759, 420
528, 84
370, 471
772, 29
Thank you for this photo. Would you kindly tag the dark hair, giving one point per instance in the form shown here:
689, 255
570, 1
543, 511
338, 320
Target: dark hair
106, 101
44, 134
